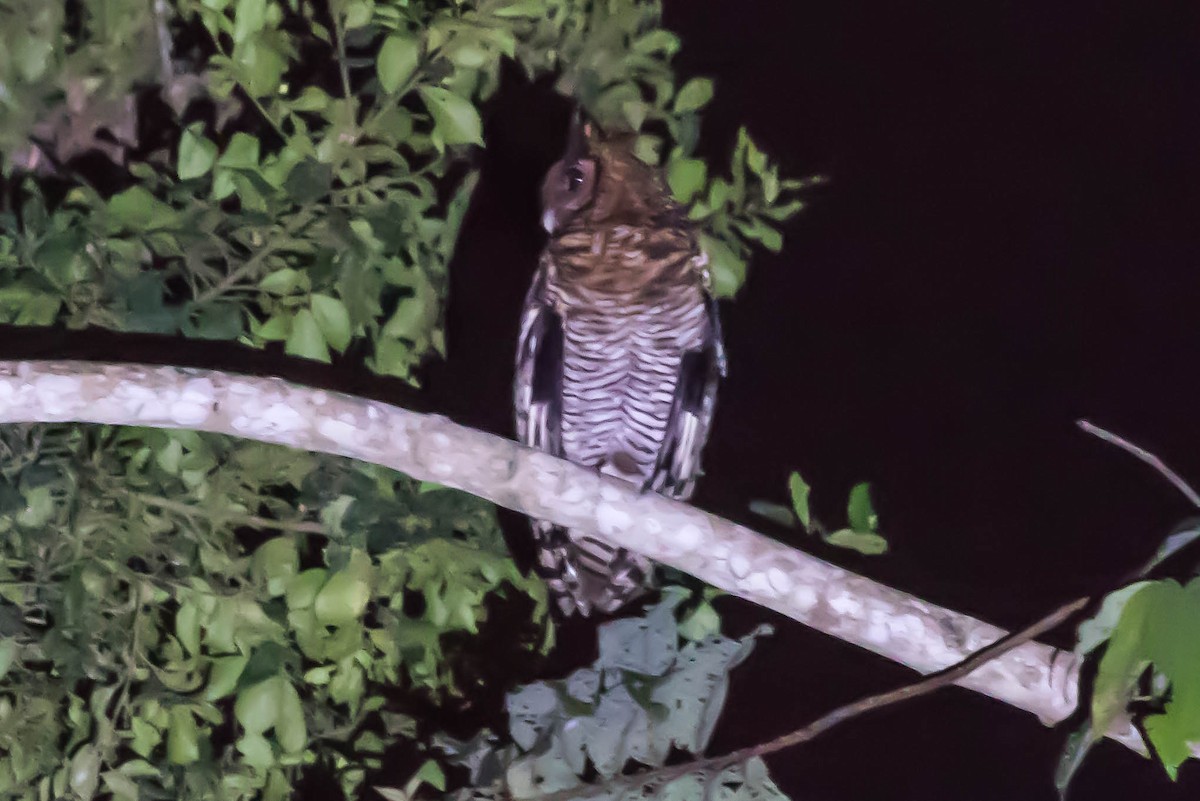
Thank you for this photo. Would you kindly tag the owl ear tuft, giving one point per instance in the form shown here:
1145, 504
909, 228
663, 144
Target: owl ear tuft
577, 137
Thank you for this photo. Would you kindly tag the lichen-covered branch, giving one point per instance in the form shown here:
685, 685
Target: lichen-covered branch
888, 622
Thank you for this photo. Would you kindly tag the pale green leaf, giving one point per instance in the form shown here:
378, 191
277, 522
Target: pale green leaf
306, 338
196, 153
694, 95
859, 510
398, 60
864, 542
799, 490
333, 320
183, 737
343, 598
455, 117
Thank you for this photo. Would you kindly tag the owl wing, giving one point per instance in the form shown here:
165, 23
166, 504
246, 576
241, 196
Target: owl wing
537, 388
537, 399
700, 371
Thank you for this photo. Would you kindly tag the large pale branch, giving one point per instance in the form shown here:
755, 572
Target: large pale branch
893, 624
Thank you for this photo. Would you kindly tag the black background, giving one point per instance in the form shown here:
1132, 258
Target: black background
1008, 243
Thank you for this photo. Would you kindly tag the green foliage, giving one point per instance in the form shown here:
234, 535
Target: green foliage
740, 212
861, 534
1146, 639
313, 217
799, 489
169, 599
644, 696
1151, 636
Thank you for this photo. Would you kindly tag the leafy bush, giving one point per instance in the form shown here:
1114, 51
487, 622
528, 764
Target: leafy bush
299, 173
644, 698
149, 623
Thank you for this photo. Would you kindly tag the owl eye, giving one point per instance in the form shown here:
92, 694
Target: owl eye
574, 178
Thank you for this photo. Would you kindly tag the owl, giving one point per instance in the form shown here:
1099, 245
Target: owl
619, 353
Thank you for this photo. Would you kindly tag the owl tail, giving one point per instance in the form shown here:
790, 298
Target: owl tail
585, 574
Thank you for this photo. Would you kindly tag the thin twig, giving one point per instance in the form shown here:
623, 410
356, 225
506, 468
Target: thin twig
248, 267
301, 526
340, 33
930, 683
164, 42
1145, 456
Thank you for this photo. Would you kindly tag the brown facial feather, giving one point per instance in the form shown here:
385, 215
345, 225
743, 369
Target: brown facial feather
618, 230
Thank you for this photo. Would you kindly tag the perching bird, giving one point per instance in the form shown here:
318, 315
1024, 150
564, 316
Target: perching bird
619, 355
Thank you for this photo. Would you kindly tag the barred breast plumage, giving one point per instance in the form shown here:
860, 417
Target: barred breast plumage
618, 362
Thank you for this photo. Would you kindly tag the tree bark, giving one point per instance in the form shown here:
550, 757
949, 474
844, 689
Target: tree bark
893, 624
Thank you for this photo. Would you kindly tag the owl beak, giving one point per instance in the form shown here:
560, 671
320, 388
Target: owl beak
549, 221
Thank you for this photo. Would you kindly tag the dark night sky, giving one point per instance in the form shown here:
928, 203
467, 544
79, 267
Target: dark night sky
1008, 243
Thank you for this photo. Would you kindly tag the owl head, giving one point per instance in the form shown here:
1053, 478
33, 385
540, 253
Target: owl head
599, 180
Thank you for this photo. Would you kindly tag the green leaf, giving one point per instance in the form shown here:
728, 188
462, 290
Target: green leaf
392, 793
398, 60
702, 623
1096, 630
276, 329
333, 320
196, 153
183, 737
21, 305
635, 112
799, 490
727, 267
758, 231
309, 181
258, 706
431, 773
9, 649
146, 737
256, 750
121, 786
275, 562
306, 338
415, 315
694, 95
250, 17
776, 513
358, 14
647, 148
864, 542
686, 177
284, 282
241, 153
456, 118
170, 456
859, 511
532, 9
343, 599
1159, 630
187, 627
137, 210
312, 98
85, 772
290, 728
213, 320
302, 590
1078, 744
223, 678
